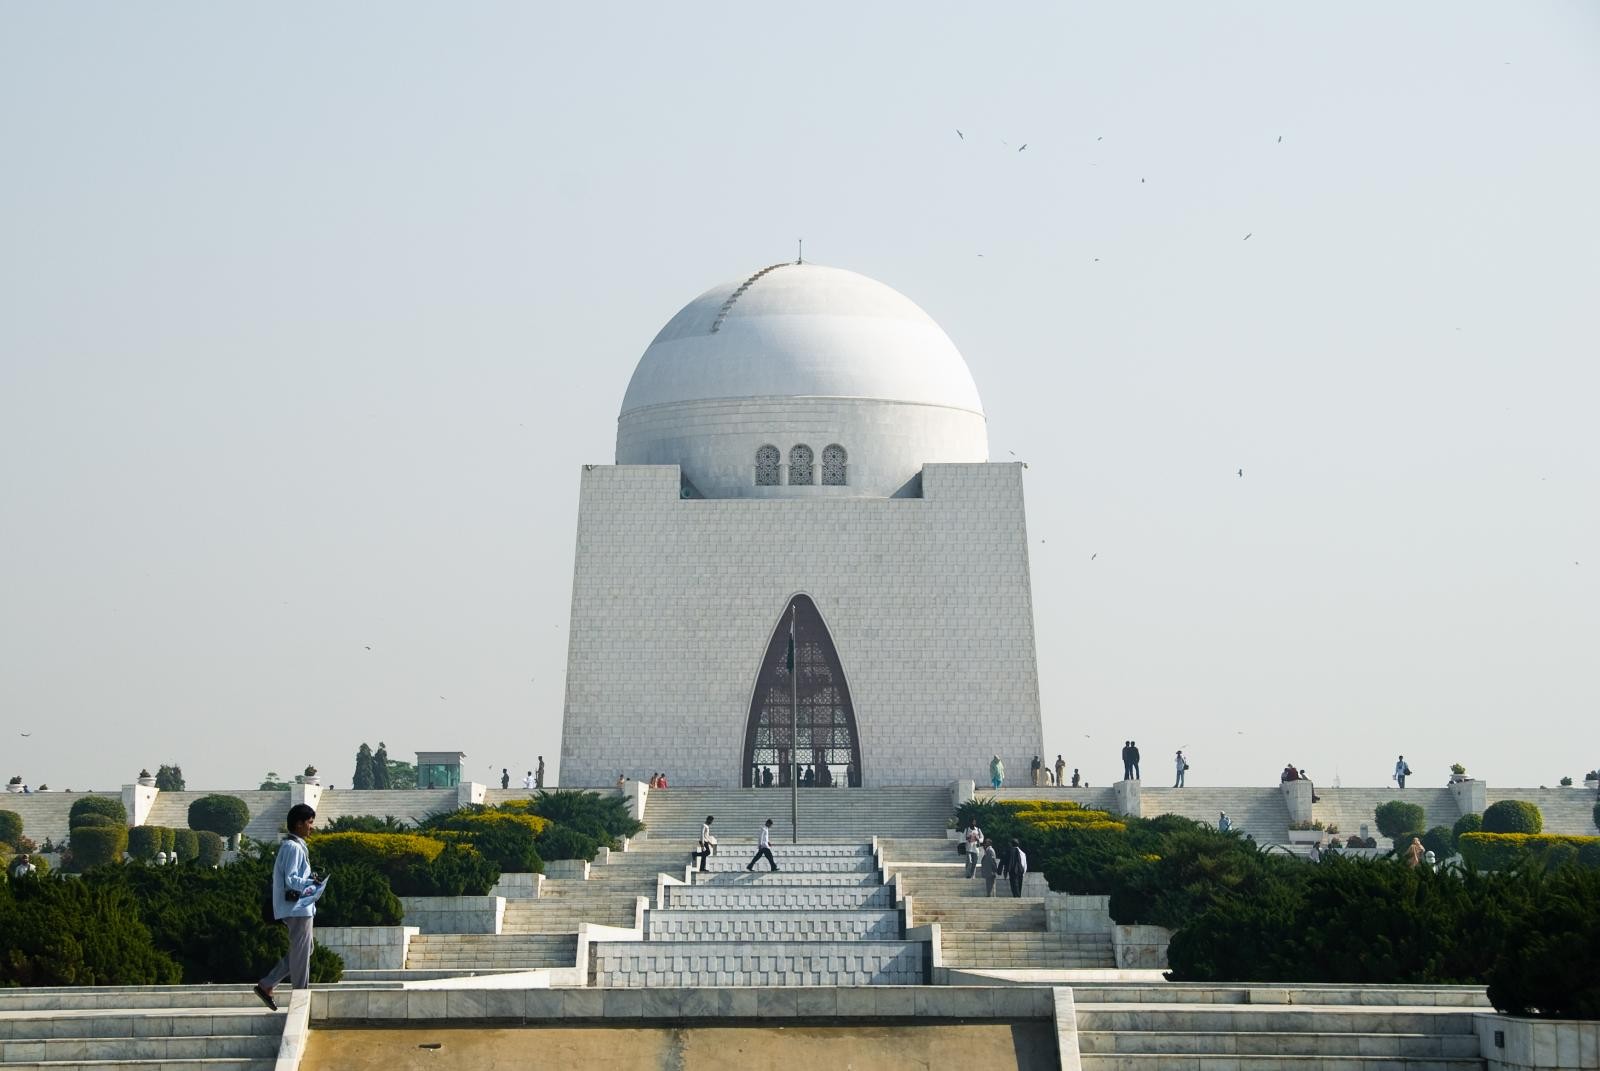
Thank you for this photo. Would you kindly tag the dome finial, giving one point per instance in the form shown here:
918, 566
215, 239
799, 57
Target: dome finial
800, 258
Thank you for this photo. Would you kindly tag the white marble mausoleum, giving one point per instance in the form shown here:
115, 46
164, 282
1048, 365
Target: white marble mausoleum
806, 445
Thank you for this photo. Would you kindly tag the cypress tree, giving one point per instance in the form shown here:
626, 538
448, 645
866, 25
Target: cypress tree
363, 776
380, 767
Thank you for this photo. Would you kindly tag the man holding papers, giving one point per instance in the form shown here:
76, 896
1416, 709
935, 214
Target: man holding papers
295, 890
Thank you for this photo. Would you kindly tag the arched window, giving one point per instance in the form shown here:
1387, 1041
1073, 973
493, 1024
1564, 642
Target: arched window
833, 466
768, 462
800, 466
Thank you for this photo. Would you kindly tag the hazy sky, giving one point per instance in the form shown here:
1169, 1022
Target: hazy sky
310, 316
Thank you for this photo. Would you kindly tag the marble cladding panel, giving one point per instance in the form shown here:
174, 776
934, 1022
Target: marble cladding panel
928, 601
635, 965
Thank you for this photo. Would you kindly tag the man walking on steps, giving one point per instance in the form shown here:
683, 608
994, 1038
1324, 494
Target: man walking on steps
295, 889
1401, 771
763, 847
1015, 865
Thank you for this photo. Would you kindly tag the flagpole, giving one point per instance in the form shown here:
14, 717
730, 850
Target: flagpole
794, 732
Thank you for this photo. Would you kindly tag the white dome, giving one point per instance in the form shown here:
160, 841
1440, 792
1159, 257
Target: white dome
802, 330
801, 354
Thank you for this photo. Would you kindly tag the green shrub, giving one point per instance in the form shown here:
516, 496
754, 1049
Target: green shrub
109, 806
1441, 841
224, 815
186, 844
559, 842
95, 821
10, 827
210, 849
1589, 854
358, 896
1550, 971
1467, 823
1398, 819
144, 842
1513, 816
169, 839
1510, 851
97, 845
414, 865
326, 965
76, 933
1596, 816
605, 818
366, 823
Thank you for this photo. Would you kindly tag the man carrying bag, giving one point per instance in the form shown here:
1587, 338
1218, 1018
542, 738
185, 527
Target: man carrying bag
295, 890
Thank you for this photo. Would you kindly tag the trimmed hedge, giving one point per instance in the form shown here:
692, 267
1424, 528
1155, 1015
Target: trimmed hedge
186, 844
110, 807
144, 842
1504, 851
95, 820
358, 896
98, 845
77, 933
1441, 841
1467, 823
604, 818
1398, 819
1513, 816
224, 815
10, 827
210, 845
413, 864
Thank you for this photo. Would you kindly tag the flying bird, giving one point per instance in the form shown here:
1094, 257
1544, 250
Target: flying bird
1280, 139
369, 647
30, 734
1246, 238
1100, 139
962, 136
1024, 146
1095, 555
1241, 474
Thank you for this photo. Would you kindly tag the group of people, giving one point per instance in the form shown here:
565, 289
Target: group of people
983, 858
656, 780
534, 778
1043, 776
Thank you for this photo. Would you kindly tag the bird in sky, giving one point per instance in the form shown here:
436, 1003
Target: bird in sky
369, 647
1241, 474
1280, 139
960, 135
1100, 139
30, 734
1024, 146
1246, 238
1095, 555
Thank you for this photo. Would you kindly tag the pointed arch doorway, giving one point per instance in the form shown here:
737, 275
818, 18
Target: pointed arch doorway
828, 742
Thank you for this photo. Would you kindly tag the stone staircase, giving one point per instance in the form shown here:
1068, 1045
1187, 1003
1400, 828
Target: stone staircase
996, 932
268, 811
824, 918
44, 814
1566, 810
827, 815
1351, 808
1122, 1035
1259, 812
491, 951
111, 1028
565, 913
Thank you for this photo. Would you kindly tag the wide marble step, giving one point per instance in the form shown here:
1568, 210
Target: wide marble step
969, 913
1271, 1018
1035, 951
181, 1047
777, 963
1188, 1043
146, 1019
174, 1064
678, 925
777, 897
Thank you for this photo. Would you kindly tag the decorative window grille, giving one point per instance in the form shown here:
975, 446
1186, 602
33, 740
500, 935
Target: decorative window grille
768, 463
833, 466
800, 465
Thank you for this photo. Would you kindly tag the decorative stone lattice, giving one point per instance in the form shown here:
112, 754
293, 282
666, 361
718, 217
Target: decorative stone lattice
833, 466
768, 463
801, 465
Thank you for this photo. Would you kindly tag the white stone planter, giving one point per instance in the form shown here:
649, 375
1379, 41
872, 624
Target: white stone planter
1307, 836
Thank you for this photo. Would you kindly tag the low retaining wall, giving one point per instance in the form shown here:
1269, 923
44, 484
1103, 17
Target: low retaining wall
567, 868
1066, 913
1140, 947
368, 948
519, 886
1509, 1043
454, 914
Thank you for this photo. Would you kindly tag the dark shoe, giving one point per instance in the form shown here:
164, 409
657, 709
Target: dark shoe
266, 998
749, 869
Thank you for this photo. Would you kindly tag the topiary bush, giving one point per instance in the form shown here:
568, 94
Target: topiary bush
94, 820
169, 839
210, 849
1510, 851
97, 845
186, 845
559, 842
605, 818
10, 827
1441, 841
107, 805
1467, 823
1513, 816
1596, 816
414, 865
1398, 819
144, 842
225, 816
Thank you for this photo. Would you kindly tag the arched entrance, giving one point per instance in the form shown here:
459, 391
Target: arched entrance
829, 744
